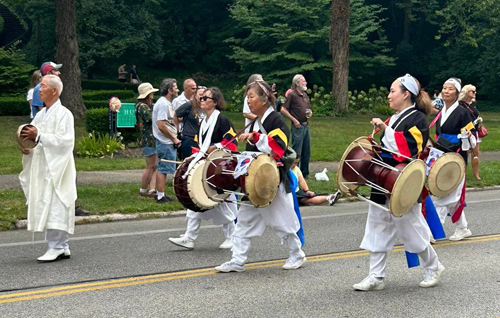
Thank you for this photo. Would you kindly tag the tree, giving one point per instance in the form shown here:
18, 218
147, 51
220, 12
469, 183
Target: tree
67, 54
339, 47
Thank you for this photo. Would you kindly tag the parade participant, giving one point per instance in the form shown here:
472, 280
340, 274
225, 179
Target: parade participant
454, 122
269, 134
49, 175
246, 110
406, 133
144, 116
215, 132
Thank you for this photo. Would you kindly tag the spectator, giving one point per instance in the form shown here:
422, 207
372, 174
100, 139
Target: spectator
46, 69
143, 113
298, 110
165, 133
122, 73
246, 110
467, 99
134, 78
278, 101
36, 78
49, 175
191, 115
189, 87
307, 197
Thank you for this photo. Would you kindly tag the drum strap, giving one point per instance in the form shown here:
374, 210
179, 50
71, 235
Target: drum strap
435, 120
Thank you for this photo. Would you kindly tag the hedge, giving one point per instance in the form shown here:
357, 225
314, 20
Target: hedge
14, 106
97, 85
106, 95
97, 120
91, 104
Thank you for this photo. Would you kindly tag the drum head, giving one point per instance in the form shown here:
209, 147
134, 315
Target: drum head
25, 144
446, 174
407, 188
209, 190
340, 178
262, 181
195, 187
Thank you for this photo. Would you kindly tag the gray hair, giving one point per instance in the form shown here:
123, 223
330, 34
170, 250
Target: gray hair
167, 84
296, 79
55, 82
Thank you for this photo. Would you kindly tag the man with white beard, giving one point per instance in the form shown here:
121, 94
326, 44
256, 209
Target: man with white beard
49, 175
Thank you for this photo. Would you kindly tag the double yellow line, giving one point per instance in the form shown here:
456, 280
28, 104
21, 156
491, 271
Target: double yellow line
156, 278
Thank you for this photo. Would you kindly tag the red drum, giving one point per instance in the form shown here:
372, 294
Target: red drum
361, 166
189, 191
255, 173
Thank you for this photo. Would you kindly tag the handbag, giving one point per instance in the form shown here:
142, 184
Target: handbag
482, 131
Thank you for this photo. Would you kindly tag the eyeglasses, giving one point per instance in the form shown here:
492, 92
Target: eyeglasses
204, 98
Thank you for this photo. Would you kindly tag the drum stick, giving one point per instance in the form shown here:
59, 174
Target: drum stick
376, 130
171, 161
240, 132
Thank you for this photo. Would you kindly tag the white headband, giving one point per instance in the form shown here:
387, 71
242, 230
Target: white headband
455, 83
409, 82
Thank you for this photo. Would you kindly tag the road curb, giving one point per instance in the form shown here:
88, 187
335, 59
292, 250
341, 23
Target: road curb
113, 217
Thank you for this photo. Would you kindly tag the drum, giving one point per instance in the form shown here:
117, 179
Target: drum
24, 144
255, 173
361, 166
189, 191
445, 171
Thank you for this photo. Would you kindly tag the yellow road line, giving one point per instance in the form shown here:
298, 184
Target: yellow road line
155, 278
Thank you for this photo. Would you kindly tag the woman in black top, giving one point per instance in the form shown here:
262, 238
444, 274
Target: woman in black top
467, 99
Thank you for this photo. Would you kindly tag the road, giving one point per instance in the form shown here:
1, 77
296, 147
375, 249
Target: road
129, 269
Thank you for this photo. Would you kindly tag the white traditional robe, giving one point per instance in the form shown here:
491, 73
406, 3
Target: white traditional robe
48, 178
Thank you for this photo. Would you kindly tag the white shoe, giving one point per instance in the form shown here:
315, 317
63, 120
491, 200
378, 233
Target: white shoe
230, 267
227, 244
332, 198
370, 283
294, 263
460, 234
431, 278
432, 241
183, 241
54, 254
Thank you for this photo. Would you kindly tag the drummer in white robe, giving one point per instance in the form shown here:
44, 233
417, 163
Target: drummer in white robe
406, 133
49, 175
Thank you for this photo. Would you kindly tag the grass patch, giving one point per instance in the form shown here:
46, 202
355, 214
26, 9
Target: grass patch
330, 137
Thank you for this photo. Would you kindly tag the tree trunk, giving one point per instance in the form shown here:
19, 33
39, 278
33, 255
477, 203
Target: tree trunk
67, 54
339, 47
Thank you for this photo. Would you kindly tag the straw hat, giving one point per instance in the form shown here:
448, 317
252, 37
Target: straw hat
145, 89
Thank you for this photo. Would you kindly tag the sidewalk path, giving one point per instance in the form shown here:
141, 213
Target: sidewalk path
9, 181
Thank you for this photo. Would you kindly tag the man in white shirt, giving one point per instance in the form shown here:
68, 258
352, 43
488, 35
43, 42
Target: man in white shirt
165, 133
48, 178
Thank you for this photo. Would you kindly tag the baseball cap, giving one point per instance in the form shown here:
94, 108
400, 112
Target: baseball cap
49, 66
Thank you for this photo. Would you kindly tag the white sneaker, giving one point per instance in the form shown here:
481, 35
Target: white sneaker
294, 263
460, 234
332, 198
433, 241
227, 244
54, 254
230, 267
431, 278
183, 241
370, 283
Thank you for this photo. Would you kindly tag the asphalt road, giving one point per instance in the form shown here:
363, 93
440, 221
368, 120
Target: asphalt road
129, 269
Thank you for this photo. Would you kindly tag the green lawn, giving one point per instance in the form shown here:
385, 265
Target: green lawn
330, 137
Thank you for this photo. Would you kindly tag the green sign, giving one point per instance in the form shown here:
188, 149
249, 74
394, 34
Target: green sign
125, 118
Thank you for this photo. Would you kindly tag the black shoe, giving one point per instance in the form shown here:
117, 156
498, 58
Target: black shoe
164, 199
79, 211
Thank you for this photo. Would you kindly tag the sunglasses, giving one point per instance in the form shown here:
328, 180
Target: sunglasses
205, 98
474, 92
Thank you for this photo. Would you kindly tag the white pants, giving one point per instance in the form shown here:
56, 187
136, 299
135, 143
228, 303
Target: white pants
449, 204
57, 239
378, 261
193, 229
279, 216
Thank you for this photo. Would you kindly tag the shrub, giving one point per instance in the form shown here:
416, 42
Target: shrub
98, 145
106, 95
98, 85
14, 71
97, 120
235, 103
14, 106
322, 104
373, 101
91, 104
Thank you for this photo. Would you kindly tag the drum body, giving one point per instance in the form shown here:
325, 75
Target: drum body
24, 144
402, 184
189, 191
256, 174
445, 171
